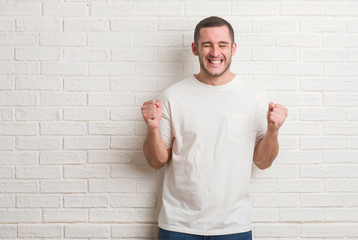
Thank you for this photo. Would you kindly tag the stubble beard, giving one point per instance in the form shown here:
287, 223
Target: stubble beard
202, 66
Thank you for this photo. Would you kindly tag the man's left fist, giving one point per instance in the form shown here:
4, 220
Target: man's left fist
276, 115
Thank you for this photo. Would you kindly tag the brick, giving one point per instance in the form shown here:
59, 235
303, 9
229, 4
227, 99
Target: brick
40, 231
157, 69
276, 230
352, 26
134, 25
259, 8
66, 216
299, 157
90, 143
20, 216
135, 54
111, 186
340, 100
340, 40
301, 128
86, 84
133, 84
254, 40
87, 230
300, 215
302, 9
107, 128
6, 172
262, 186
304, 69
37, 53
322, 171
341, 128
160, 39
341, 69
112, 215
321, 200
277, 172
275, 200
341, 9
273, 25
132, 230
86, 25
183, 55
351, 171
126, 114
144, 215
37, 172
341, 156
133, 200
110, 100
63, 186
351, 85
38, 25
352, 142
7, 201
62, 99
302, 186
200, 9
6, 53
274, 54
19, 68
7, 25
18, 187
86, 114
88, 201
18, 158
321, 24
322, 142
18, 39
109, 156
264, 215
341, 185
66, 9
111, 69
351, 200
288, 142
62, 158
329, 230
33, 113
298, 40
7, 82
63, 128
254, 68
18, 129
64, 68
63, 39
300, 99
321, 114
84, 172
113, 9
39, 83
132, 143
153, 185
8, 231
127, 171
160, 9
178, 24
39, 201
20, 8
6, 114
38, 143
112, 39
318, 55
85, 55
322, 84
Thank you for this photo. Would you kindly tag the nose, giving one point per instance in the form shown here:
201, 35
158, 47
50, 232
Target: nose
215, 51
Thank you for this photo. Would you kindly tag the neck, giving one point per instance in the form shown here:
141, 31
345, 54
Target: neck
215, 81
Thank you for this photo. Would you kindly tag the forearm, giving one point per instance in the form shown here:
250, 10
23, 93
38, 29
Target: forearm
266, 151
155, 151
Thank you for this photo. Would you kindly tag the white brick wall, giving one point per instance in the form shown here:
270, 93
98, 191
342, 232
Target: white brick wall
73, 75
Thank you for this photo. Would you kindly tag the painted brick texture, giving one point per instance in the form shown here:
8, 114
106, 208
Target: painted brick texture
74, 74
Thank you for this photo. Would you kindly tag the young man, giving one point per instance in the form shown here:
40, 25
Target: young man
209, 129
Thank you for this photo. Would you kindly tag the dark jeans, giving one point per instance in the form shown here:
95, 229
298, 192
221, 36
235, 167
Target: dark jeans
169, 235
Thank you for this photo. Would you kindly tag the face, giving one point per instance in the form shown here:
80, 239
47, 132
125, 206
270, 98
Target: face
215, 50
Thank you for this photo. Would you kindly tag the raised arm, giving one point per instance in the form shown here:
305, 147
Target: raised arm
154, 148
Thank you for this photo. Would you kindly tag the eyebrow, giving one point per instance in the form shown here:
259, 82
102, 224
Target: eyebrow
221, 42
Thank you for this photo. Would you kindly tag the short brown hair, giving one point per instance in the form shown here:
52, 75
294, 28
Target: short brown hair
212, 21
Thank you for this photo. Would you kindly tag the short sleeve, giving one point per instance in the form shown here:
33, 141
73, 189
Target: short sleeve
166, 131
262, 107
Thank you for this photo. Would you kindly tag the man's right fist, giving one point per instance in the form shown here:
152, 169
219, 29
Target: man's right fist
152, 113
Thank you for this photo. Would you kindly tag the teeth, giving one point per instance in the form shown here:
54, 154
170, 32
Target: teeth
216, 62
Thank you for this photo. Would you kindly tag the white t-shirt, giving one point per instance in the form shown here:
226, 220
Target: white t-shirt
212, 131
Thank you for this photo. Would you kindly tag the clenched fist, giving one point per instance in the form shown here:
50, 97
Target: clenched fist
276, 115
152, 113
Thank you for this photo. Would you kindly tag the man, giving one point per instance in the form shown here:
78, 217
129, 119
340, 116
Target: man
208, 129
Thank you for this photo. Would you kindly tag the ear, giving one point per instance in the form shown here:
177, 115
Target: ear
234, 47
194, 49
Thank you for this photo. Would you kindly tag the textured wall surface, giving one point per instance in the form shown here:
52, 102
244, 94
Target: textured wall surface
73, 75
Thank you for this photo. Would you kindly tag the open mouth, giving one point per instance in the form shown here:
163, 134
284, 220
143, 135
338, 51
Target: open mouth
215, 61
